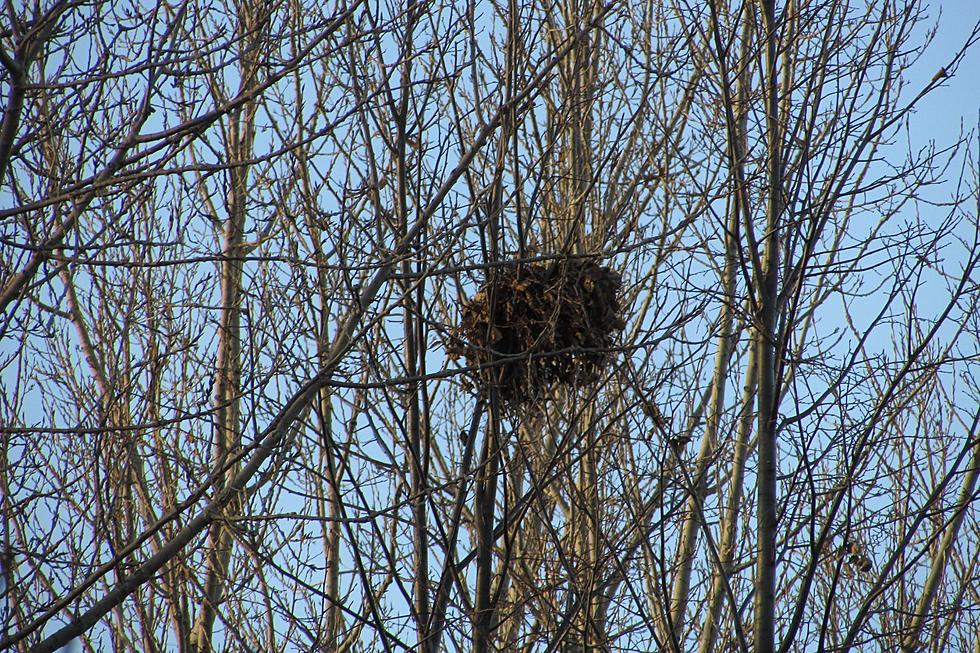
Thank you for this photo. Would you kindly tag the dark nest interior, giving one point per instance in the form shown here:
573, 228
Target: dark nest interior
534, 325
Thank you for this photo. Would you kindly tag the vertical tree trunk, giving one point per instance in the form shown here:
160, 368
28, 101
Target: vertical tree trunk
413, 355
226, 438
720, 587
686, 548
226, 435
941, 557
486, 494
767, 294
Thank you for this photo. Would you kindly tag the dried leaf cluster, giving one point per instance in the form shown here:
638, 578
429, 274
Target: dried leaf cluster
533, 325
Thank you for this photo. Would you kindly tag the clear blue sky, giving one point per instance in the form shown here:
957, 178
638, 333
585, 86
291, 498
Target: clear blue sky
940, 115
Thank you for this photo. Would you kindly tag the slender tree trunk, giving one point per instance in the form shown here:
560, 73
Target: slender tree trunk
767, 296
417, 436
228, 375
729, 522
227, 435
941, 557
486, 493
686, 548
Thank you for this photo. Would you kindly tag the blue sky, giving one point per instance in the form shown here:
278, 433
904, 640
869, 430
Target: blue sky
941, 114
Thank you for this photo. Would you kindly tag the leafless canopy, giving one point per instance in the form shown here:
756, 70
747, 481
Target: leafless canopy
267, 267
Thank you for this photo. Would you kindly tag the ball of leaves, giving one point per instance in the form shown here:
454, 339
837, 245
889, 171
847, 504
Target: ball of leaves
533, 325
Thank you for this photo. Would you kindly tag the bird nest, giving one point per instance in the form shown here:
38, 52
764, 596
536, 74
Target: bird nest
535, 325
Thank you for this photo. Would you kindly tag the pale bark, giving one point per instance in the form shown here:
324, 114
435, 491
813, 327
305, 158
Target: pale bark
942, 554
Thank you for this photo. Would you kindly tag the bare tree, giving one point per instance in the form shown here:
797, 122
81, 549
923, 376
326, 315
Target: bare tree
241, 244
